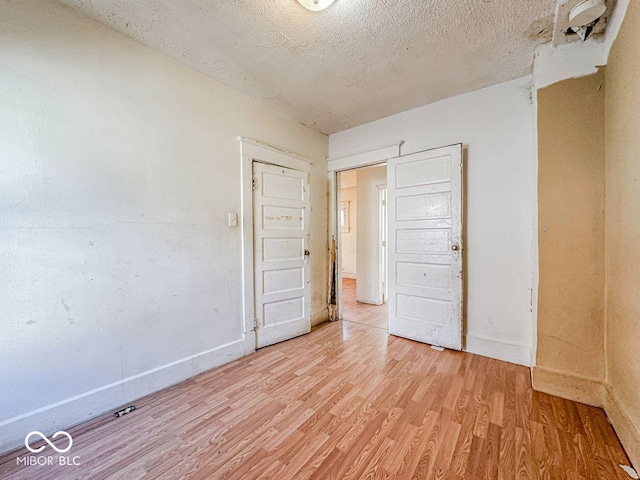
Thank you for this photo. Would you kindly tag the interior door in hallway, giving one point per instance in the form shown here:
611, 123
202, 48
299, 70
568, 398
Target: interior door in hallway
424, 196
281, 239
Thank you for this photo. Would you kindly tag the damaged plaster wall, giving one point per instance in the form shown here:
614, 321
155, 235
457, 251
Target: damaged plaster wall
622, 120
118, 166
553, 64
572, 118
571, 192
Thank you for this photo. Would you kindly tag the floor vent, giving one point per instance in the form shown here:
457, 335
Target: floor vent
124, 411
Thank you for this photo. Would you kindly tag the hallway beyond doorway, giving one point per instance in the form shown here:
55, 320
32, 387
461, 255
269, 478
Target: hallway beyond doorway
362, 313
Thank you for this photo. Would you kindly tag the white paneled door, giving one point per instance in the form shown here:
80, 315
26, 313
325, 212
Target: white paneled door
281, 239
424, 194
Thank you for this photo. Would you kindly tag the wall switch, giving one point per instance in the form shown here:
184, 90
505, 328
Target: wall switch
233, 219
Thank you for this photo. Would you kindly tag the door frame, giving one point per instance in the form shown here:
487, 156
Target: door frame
367, 158
255, 151
370, 158
336, 228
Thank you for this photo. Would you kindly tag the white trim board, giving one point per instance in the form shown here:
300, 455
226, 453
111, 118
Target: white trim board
365, 158
335, 231
248, 285
87, 405
253, 150
512, 352
270, 154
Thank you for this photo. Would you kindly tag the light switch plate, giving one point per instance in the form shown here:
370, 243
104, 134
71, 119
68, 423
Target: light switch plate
233, 219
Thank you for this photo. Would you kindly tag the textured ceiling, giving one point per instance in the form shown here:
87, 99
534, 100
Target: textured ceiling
357, 61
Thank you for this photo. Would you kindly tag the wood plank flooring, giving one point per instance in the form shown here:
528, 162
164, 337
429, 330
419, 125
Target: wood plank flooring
363, 313
346, 402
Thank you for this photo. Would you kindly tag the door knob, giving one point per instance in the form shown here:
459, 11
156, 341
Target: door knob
455, 248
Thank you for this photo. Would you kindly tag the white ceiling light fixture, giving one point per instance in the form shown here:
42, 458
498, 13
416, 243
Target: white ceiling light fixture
315, 5
586, 12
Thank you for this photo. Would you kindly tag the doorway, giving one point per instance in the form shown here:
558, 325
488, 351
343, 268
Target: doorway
362, 224
423, 252
276, 253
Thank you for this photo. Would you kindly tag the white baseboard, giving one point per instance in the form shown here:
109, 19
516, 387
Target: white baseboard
578, 388
87, 405
368, 302
348, 275
517, 353
628, 432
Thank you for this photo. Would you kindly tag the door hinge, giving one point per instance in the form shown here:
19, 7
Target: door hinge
255, 324
254, 184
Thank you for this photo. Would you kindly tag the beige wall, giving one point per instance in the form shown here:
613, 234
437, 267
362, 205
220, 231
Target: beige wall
589, 317
571, 194
622, 119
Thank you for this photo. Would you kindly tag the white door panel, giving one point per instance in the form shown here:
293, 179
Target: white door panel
422, 241
281, 236
425, 246
428, 205
283, 281
423, 275
280, 186
282, 249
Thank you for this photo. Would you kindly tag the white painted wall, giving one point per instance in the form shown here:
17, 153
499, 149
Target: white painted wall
349, 239
118, 273
368, 251
497, 127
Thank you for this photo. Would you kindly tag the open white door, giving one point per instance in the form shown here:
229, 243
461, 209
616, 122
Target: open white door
424, 194
281, 235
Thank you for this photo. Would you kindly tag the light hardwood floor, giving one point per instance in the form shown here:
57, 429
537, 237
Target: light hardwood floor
346, 402
353, 311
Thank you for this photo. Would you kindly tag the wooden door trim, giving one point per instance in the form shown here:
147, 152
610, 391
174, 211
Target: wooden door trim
369, 158
255, 151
